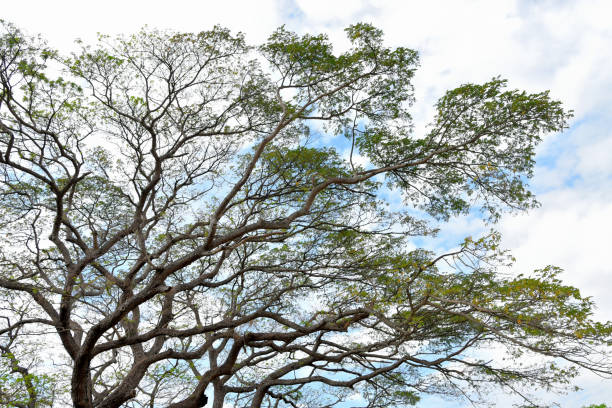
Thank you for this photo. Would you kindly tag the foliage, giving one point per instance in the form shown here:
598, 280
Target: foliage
173, 211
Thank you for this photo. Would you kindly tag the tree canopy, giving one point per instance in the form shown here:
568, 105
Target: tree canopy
181, 227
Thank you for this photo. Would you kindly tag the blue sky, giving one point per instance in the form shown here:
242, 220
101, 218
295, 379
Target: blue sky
562, 46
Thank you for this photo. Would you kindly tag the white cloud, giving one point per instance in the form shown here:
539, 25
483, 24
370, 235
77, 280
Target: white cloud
63, 21
572, 231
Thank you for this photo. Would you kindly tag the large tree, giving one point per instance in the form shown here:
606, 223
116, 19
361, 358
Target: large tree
177, 224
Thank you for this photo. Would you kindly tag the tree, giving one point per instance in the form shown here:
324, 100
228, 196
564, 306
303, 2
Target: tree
174, 215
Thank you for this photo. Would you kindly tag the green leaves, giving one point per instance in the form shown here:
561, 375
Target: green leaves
305, 165
19, 387
369, 82
479, 151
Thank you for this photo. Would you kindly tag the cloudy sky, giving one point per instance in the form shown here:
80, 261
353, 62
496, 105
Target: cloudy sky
562, 46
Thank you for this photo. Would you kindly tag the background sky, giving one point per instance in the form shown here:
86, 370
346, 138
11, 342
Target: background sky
562, 46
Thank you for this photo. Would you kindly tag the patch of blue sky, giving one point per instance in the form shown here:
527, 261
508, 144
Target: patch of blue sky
576, 158
290, 12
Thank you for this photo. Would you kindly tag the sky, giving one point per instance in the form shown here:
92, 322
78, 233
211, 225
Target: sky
562, 46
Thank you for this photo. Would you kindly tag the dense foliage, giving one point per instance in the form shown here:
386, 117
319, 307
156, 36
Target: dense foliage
177, 222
